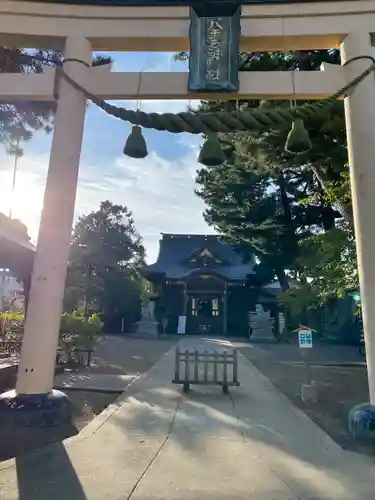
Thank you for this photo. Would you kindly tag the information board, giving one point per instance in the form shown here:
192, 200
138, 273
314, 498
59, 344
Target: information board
305, 338
214, 52
181, 328
281, 323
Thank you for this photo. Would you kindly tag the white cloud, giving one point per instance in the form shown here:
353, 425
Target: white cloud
159, 105
143, 61
160, 192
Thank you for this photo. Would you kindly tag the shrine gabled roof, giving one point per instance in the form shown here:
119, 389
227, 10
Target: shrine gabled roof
176, 249
16, 250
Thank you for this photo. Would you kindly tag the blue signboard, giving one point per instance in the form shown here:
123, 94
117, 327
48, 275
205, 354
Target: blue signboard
305, 338
214, 50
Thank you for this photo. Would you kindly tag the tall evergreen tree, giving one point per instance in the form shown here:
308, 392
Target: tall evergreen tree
267, 200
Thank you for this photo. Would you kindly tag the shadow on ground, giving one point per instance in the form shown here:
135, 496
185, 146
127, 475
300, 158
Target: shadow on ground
255, 418
32, 468
340, 378
162, 444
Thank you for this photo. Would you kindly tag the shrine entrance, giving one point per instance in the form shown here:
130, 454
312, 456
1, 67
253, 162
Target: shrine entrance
206, 305
78, 27
205, 314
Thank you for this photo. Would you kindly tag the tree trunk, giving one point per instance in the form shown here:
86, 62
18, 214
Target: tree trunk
328, 218
284, 200
288, 216
345, 212
283, 279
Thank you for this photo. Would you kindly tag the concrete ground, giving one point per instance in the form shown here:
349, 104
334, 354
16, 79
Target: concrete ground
119, 354
157, 443
116, 362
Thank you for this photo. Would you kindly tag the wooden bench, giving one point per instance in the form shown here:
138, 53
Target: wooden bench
206, 368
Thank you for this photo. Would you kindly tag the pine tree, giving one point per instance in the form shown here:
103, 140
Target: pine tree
266, 200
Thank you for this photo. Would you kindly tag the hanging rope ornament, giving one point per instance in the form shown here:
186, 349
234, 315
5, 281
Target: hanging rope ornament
252, 119
211, 153
298, 140
135, 145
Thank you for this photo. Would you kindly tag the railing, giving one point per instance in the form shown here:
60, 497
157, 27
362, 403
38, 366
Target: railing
206, 368
11, 331
9, 347
78, 355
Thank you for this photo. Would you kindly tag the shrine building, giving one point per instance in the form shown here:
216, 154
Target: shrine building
208, 281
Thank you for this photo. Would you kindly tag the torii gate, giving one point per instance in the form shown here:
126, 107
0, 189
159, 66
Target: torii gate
80, 27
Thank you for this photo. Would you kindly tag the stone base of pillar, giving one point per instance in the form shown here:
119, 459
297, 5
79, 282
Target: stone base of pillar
362, 422
35, 410
148, 328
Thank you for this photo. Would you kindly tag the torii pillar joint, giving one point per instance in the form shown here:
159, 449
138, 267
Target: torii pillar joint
34, 402
360, 127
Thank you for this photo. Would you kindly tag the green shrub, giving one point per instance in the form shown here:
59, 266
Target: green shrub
78, 332
11, 325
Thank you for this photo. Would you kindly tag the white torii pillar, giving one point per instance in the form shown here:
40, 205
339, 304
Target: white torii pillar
38, 354
360, 127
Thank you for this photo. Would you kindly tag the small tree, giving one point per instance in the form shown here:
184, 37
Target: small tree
103, 275
77, 332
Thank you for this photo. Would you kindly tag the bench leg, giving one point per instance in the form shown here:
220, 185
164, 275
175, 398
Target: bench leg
225, 389
186, 387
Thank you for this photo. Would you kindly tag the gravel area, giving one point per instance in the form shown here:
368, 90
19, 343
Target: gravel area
341, 384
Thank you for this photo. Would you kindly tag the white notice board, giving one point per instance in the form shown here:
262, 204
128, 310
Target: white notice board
181, 328
281, 323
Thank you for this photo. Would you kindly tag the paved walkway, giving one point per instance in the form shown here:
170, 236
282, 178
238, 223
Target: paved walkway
117, 360
160, 444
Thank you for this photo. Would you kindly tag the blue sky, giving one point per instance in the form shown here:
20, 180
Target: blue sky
159, 189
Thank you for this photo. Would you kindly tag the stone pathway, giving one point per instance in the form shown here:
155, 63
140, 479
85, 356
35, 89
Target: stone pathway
156, 443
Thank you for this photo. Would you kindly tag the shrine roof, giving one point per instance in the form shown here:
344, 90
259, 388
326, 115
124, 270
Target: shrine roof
16, 250
175, 250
